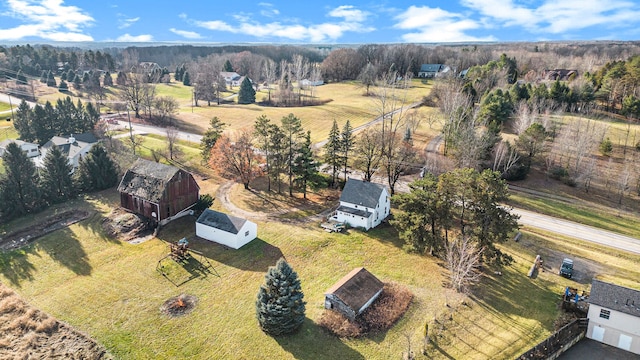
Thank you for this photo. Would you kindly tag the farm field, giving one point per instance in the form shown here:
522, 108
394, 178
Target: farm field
112, 291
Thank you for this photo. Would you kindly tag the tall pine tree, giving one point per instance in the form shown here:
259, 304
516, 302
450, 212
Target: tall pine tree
97, 171
280, 306
261, 131
210, 137
347, 142
247, 94
332, 151
19, 193
56, 182
304, 166
292, 128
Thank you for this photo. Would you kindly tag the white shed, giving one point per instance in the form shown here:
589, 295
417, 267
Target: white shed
225, 229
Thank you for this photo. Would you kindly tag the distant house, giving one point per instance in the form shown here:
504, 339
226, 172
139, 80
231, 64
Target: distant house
614, 316
148, 66
307, 82
354, 293
158, 191
72, 146
225, 229
232, 78
28, 148
363, 204
560, 74
432, 70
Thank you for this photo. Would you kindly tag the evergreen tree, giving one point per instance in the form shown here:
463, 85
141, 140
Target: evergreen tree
332, 151
96, 171
305, 166
56, 182
63, 76
43, 76
292, 128
19, 193
77, 82
278, 154
23, 121
227, 66
210, 137
247, 94
261, 131
107, 80
121, 79
186, 79
347, 142
63, 87
280, 307
51, 81
70, 75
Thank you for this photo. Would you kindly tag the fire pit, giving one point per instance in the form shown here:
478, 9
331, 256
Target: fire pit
179, 305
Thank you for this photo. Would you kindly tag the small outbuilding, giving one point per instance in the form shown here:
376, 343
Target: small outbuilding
157, 191
354, 293
28, 148
225, 229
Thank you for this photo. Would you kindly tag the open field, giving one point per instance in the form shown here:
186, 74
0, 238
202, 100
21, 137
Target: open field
112, 291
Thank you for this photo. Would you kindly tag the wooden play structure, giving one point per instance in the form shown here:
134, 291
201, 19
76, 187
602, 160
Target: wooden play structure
192, 261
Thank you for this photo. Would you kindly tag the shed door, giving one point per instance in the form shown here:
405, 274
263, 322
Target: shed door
624, 342
598, 333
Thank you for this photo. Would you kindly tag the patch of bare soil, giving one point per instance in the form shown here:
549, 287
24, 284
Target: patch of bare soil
126, 226
21, 237
28, 333
179, 305
392, 303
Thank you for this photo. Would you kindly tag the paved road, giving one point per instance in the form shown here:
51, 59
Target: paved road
579, 231
14, 100
141, 129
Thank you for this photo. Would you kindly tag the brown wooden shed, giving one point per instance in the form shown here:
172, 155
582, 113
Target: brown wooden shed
157, 191
352, 294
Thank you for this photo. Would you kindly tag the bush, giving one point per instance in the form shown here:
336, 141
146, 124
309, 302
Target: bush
381, 315
204, 202
558, 173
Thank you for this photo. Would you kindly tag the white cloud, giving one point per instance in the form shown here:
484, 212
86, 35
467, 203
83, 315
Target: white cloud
136, 38
124, 23
268, 10
349, 13
330, 31
436, 25
186, 34
558, 17
46, 19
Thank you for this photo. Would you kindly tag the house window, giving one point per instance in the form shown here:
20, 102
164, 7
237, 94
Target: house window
605, 314
246, 233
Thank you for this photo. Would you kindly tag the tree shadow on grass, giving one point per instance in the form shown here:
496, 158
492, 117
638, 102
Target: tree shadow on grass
15, 266
65, 248
386, 233
313, 343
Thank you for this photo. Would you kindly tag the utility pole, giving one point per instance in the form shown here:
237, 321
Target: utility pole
133, 145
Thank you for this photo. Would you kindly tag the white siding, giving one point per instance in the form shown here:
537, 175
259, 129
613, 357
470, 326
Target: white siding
248, 232
377, 215
618, 325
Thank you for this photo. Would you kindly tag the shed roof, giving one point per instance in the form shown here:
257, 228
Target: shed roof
356, 288
430, 67
615, 297
5, 143
147, 179
221, 221
363, 193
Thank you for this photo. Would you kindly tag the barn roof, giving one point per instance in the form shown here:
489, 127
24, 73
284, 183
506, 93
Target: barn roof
615, 297
221, 221
147, 179
361, 193
356, 288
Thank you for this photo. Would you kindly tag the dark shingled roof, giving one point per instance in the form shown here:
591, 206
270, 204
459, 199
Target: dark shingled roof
430, 67
147, 180
221, 221
356, 288
361, 193
353, 211
615, 297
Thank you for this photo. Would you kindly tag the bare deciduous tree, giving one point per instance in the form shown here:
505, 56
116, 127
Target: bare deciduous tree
462, 259
367, 153
172, 137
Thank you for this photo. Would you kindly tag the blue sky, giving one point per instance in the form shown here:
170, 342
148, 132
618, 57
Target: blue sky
355, 21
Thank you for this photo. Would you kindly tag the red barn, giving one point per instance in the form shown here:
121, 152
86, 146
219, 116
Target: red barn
157, 191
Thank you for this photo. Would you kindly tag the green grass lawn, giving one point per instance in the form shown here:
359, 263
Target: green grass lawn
112, 291
5, 106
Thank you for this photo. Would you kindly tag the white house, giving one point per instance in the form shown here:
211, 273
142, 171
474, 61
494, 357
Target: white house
363, 204
232, 78
225, 229
433, 70
73, 146
28, 148
614, 316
